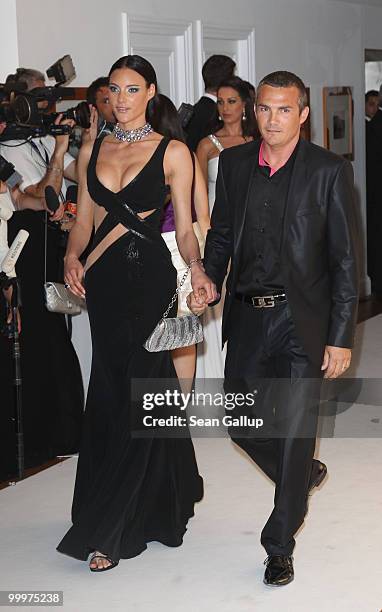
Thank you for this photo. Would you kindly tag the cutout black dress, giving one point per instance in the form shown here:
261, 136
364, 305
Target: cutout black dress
129, 490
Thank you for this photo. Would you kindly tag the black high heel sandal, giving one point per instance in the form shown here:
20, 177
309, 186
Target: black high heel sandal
102, 569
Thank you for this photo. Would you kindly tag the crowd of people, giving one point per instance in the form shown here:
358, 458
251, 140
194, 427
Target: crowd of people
263, 220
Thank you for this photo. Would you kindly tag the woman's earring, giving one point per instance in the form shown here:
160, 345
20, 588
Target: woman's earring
220, 118
244, 115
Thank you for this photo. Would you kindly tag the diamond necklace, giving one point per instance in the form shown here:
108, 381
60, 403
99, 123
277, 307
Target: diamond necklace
131, 135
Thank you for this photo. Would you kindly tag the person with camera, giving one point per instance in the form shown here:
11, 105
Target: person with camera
97, 95
42, 161
6, 211
52, 382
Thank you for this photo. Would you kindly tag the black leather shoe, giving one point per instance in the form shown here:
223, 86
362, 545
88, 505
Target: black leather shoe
279, 571
319, 472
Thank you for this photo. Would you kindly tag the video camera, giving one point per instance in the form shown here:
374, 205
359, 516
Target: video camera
21, 110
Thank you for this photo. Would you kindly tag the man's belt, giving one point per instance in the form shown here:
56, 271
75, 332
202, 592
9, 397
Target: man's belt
262, 301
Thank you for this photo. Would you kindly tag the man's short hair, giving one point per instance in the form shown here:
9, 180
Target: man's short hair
216, 69
26, 75
91, 91
283, 78
372, 93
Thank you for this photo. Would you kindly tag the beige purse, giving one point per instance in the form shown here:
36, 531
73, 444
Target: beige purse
61, 300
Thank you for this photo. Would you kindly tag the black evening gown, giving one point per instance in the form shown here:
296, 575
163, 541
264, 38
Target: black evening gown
129, 490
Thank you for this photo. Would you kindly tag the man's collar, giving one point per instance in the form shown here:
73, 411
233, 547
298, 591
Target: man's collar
263, 162
210, 96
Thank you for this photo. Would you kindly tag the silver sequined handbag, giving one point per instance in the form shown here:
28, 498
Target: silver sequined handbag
58, 299
175, 332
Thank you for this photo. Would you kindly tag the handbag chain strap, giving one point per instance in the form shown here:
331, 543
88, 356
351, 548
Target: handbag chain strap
174, 297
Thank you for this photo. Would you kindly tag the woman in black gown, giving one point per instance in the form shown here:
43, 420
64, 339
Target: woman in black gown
130, 490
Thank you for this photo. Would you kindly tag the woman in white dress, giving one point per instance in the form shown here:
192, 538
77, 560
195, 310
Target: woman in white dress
236, 125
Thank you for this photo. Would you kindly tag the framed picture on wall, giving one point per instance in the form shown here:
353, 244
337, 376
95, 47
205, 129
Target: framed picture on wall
338, 121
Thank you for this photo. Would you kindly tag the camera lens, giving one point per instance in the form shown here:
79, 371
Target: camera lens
22, 109
82, 115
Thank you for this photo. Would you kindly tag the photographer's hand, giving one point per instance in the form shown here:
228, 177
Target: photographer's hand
62, 142
55, 169
58, 214
8, 297
90, 134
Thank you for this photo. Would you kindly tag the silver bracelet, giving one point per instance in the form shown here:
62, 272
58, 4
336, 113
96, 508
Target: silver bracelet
57, 169
195, 260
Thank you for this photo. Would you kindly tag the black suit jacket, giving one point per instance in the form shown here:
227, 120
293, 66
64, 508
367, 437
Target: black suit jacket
374, 159
199, 126
319, 247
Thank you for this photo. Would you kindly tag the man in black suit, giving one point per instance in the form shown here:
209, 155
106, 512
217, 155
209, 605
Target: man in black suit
215, 70
284, 217
373, 113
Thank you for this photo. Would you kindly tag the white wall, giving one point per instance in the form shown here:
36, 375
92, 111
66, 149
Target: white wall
320, 40
90, 30
373, 27
9, 56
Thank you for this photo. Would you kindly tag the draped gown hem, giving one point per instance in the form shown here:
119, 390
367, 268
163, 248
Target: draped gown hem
72, 539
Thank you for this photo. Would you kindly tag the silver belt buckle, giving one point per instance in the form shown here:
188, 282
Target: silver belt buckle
268, 301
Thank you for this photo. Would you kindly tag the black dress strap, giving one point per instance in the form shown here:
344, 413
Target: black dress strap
119, 209
94, 155
108, 223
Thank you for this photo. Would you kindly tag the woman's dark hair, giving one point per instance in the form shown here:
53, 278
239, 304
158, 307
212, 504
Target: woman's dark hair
165, 120
249, 124
146, 70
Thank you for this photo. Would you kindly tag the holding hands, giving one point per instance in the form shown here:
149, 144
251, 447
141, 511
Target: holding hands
204, 291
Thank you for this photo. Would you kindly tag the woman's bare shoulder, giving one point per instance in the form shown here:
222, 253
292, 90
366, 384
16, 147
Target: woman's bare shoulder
205, 145
176, 148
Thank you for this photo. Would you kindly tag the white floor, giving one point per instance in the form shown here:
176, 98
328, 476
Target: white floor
219, 568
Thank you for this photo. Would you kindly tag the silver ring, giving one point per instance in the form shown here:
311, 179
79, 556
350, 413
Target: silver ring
67, 286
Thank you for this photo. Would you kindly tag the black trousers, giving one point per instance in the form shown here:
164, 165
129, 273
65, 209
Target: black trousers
265, 357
